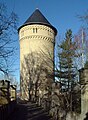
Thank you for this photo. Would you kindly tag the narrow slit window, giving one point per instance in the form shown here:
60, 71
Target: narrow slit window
33, 30
36, 30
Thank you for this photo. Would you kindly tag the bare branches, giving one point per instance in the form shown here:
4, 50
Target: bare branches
8, 26
84, 17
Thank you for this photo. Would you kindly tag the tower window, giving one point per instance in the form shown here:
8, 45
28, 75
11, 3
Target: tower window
34, 30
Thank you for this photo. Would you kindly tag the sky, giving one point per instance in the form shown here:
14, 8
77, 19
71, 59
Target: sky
62, 14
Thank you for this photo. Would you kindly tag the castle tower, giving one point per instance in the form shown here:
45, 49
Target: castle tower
37, 40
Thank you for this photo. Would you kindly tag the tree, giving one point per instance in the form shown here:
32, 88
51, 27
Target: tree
86, 65
82, 37
36, 75
66, 55
67, 71
84, 18
8, 27
81, 40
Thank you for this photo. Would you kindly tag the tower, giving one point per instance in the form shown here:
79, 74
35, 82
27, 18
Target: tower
37, 39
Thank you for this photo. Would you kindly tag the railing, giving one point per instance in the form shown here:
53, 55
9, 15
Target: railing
6, 110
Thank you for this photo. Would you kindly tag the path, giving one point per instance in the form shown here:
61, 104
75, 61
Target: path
29, 111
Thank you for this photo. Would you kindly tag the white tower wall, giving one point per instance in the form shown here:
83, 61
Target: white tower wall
37, 39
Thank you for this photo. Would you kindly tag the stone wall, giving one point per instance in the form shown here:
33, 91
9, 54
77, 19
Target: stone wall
83, 75
57, 109
7, 92
4, 92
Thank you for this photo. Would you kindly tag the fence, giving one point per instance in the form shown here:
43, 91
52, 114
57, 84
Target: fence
6, 110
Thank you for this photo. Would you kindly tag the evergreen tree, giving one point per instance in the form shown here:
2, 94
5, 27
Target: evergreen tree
67, 71
86, 65
66, 55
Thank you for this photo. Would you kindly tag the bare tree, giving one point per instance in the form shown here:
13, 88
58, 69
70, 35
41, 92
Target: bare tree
8, 27
35, 74
84, 33
84, 18
81, 40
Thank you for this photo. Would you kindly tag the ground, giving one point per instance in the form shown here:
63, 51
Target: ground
29, 111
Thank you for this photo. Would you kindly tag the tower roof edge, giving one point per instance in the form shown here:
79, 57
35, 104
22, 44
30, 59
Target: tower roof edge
38, 18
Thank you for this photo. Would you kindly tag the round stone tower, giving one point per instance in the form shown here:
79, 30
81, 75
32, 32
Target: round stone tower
37, 40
